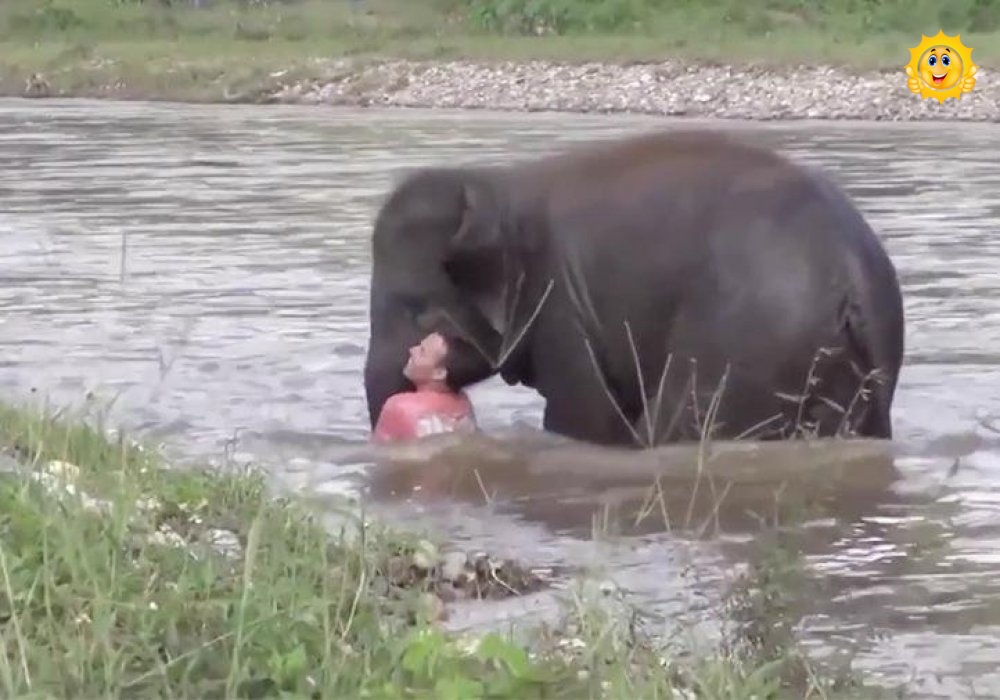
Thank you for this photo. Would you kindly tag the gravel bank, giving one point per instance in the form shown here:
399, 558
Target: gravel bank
667, 88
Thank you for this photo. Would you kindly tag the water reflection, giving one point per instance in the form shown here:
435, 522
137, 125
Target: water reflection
237, 306
729, 487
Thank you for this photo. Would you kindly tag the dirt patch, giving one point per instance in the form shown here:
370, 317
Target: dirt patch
457, 576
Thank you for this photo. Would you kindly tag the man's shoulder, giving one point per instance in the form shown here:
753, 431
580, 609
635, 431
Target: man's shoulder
400, 402
416, 414
410, 405
414, 404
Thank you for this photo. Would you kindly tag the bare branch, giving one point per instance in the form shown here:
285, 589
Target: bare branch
989, 425
531, 320
650, 435
756, 426
660, 389
467, 337
713, 409
609, 394
863, 392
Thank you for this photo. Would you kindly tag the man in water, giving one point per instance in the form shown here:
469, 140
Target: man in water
432, 407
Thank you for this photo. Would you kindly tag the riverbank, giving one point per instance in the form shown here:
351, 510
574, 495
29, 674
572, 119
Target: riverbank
668, 88
745, 62
121, 575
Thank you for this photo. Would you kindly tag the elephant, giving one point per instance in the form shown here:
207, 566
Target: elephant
661, 287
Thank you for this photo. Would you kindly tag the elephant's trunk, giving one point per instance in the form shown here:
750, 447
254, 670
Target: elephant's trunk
466, 365
383, 377
473, 346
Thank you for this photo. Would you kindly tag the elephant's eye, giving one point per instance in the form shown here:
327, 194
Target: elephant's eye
412, 306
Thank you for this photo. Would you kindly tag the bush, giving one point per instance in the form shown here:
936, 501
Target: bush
557, 16
48, 18
535, 17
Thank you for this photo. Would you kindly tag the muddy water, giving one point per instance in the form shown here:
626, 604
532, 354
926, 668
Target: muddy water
206, 268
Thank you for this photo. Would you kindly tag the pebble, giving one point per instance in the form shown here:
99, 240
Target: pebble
431, 608
453, 566
225, 542
425, 557
665, 88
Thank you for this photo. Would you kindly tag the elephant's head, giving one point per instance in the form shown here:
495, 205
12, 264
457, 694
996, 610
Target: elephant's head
440, 262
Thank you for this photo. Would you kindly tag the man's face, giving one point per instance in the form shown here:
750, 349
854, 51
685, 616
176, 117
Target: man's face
426, 360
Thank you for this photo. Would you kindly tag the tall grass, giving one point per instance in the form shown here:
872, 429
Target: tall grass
301, 20
852, 32
307, 20
752, 16
121, 577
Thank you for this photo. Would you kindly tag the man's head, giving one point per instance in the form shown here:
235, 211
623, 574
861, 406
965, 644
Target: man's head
426, 362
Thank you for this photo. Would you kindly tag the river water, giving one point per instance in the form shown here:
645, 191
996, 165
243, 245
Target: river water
206, 267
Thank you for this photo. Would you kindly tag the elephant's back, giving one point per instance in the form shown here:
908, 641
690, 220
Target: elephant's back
683, 189
709, 226
697, 154
647, 216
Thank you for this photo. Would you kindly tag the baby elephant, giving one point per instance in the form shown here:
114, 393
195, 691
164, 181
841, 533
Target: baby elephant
655, 288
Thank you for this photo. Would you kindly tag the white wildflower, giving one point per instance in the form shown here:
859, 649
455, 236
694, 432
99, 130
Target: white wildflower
96, 505
468, 644
147, 504
168, 537
65, 470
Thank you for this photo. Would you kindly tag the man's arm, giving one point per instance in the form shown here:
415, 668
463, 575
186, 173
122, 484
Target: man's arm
469, 410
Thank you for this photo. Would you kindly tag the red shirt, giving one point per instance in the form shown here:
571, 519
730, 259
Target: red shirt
414, 414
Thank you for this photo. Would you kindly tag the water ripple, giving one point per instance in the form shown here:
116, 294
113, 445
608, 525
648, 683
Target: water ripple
241, 305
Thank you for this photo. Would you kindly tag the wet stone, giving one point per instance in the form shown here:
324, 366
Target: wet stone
453, 566
431, 607
426, 556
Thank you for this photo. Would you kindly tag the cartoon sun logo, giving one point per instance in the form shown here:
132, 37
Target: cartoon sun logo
941, 67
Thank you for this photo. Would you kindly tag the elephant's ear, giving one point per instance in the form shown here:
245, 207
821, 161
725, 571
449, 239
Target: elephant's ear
474, 260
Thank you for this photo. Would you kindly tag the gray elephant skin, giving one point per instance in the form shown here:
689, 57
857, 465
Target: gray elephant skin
656, 288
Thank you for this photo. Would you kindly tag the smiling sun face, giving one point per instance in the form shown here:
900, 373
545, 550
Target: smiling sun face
940, 68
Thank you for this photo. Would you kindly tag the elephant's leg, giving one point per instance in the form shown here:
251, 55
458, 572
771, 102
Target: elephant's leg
666, 414
679, 406
587, 420
711, 404
824, 399
846, 399
578, 405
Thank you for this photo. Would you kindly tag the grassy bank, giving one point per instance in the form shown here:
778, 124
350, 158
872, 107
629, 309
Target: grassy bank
233, 50
120, 577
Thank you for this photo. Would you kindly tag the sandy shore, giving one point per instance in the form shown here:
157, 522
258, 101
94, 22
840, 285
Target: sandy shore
666, 88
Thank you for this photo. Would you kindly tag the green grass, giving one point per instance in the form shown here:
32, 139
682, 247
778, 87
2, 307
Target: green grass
231, 50
110, 587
